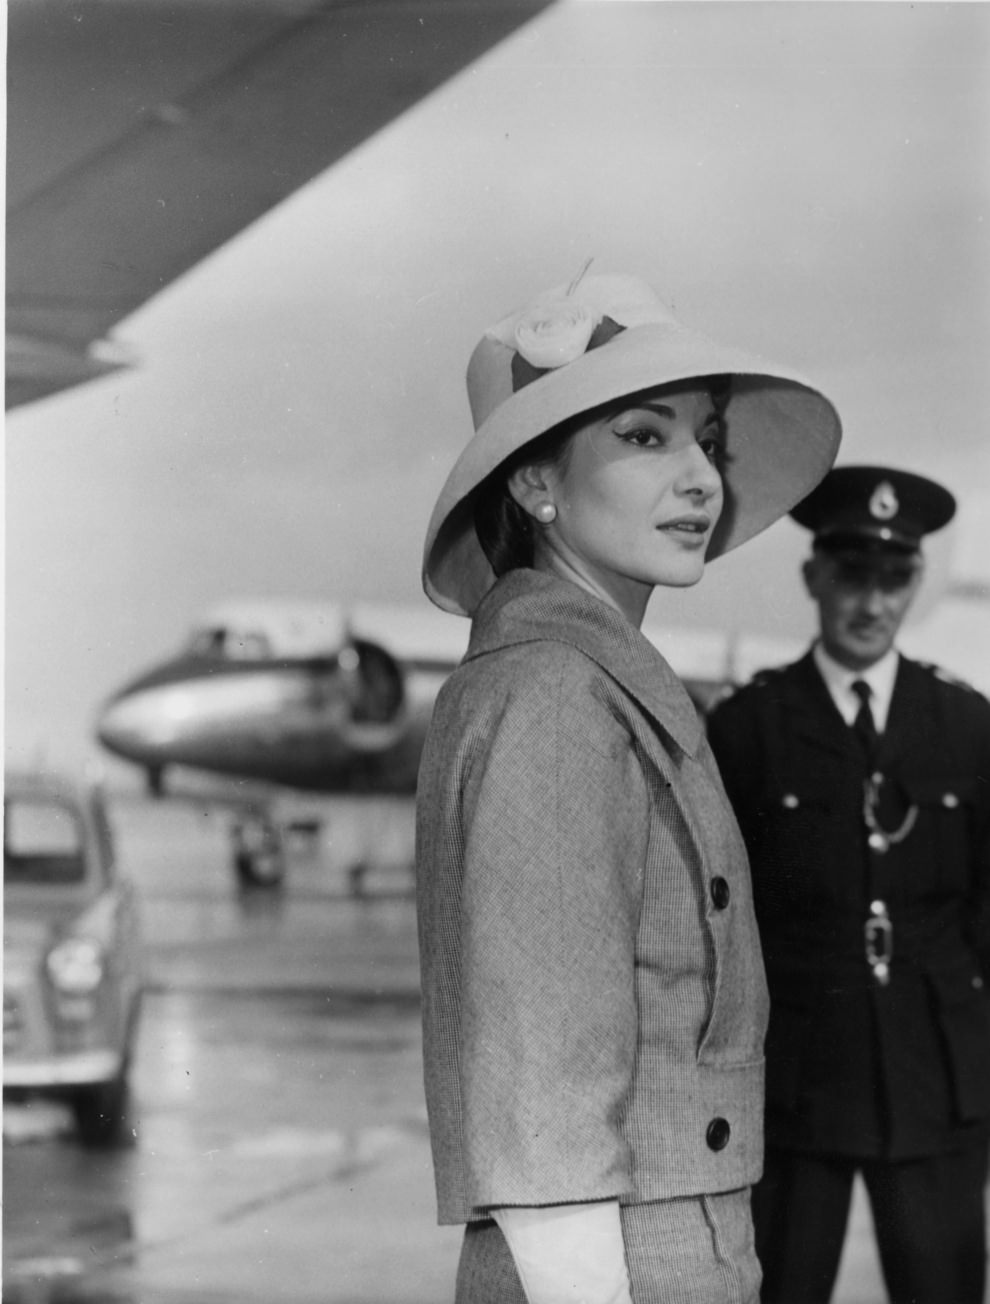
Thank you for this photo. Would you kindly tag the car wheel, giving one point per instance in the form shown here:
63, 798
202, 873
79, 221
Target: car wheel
102, 1113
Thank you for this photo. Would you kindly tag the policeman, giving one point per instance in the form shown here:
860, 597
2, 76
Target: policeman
861, 780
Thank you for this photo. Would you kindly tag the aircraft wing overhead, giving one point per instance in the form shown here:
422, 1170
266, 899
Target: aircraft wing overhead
144, 134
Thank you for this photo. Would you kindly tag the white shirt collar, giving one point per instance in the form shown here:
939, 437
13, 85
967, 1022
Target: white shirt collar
839, 680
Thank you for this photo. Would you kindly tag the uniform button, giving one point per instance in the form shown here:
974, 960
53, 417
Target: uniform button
720, 892
977, 982
950, 800
717, 1134
790, 801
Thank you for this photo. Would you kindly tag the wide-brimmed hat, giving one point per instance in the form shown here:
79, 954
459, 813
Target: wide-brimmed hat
579, 346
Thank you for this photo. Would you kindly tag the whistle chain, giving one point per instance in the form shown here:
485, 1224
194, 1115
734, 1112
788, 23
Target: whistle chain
881, 839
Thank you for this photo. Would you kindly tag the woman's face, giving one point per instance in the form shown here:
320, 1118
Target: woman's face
637, 497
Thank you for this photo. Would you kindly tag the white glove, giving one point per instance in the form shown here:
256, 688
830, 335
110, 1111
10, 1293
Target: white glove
568, 1253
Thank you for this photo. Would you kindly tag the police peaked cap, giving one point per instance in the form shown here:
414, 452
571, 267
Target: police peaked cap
860, 506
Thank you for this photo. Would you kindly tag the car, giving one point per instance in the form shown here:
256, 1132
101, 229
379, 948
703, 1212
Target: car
72, 954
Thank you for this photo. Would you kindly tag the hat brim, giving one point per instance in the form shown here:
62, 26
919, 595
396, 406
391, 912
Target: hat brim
782, 436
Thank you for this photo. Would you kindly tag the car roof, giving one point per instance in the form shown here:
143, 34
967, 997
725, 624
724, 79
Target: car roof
82, 796
52, 784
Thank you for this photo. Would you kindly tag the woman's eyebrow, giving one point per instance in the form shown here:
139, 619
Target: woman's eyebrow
663, 410
648, 405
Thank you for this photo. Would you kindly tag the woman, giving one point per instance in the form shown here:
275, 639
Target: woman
593, 994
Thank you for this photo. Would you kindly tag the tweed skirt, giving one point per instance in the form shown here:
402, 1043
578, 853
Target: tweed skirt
696, 1250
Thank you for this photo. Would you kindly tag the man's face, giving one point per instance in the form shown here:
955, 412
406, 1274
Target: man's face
862, 600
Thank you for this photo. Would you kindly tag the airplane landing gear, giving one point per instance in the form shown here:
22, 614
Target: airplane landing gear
258, 852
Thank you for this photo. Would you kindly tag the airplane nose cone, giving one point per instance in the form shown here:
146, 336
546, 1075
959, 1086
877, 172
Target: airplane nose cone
133, 726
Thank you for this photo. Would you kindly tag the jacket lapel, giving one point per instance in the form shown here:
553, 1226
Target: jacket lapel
909, 724
528, 606
811, 713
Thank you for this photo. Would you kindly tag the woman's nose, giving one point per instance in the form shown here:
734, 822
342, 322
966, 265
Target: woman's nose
700, 477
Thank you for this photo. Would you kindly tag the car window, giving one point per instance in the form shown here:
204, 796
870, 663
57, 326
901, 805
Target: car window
42, 842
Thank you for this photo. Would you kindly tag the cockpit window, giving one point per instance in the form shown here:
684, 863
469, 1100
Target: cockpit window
208, 642
247, 645
229, 644
42, 842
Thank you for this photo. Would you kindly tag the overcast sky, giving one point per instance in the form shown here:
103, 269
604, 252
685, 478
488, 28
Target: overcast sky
809, 180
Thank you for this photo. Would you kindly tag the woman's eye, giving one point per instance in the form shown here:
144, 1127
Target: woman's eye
639, 436
713, 448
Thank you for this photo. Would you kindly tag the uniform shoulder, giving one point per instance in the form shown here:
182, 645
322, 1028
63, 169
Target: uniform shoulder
750, 693
951, 683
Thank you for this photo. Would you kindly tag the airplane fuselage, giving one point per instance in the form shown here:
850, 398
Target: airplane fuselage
350, 722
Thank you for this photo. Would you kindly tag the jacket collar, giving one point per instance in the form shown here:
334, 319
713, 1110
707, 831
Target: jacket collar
813, 715
528, 606
839, 680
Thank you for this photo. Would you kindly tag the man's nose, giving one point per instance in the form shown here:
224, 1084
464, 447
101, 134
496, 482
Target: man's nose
872, 599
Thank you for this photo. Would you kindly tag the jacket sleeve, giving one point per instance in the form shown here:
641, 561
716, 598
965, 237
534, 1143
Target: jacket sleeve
978, 912
556, 824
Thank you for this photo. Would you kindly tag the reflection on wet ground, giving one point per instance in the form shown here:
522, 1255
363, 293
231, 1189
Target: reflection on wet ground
231, 1145
278, 1141
278, 1147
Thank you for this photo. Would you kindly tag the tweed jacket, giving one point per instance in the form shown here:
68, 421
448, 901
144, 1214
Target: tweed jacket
594, 1002
895, 1067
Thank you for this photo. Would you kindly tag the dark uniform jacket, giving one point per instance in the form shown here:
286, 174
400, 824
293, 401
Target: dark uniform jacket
594, 1003
892, 1058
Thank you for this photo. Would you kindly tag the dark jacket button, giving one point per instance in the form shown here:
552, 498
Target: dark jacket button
720, 892
717, 1134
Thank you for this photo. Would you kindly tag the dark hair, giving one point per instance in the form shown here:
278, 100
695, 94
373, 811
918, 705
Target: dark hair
505, 530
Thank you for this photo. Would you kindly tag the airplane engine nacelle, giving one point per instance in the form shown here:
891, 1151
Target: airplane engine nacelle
375, 683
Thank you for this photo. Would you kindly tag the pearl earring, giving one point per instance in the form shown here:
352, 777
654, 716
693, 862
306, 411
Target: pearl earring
545, 513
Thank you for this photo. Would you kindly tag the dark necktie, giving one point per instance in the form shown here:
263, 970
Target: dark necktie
864, 726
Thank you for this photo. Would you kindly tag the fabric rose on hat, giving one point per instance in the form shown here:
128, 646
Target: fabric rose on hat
552, 334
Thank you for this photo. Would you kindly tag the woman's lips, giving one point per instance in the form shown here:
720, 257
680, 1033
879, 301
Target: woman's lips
691, 527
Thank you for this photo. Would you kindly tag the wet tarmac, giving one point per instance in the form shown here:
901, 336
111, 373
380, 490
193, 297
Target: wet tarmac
278, 1146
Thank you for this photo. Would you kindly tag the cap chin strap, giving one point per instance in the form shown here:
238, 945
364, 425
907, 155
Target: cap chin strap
881, 540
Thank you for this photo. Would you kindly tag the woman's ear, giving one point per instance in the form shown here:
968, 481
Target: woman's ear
529, 487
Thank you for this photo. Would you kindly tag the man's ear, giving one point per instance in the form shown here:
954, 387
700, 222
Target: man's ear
916, 580
811, 572
528, 485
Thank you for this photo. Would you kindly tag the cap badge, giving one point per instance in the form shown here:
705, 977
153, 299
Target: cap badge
883, 502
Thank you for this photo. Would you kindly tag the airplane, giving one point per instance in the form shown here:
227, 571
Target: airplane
280, 696
142, 137
315, 697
